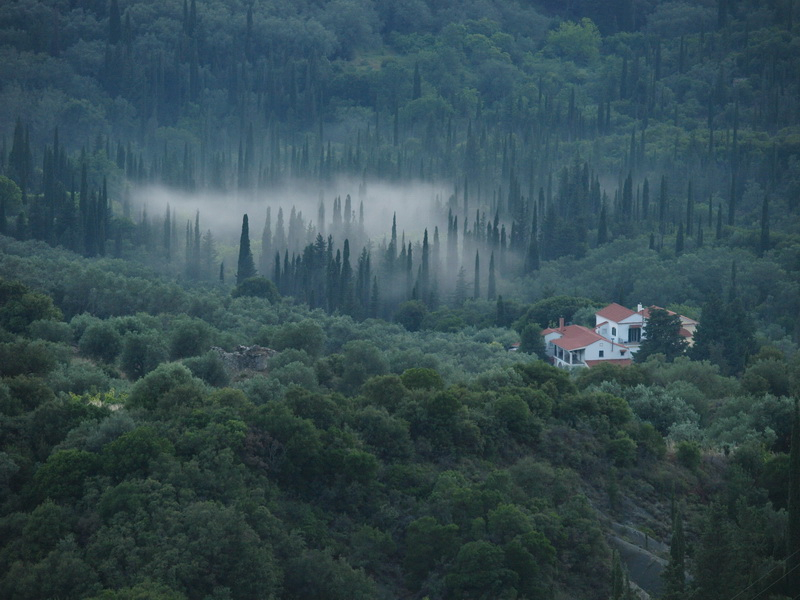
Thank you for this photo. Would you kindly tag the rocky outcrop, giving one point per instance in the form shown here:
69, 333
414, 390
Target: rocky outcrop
246, 358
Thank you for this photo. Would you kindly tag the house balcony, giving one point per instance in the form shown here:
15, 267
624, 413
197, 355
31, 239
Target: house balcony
565, 359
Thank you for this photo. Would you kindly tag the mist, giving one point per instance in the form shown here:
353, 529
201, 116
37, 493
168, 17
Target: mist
416, 205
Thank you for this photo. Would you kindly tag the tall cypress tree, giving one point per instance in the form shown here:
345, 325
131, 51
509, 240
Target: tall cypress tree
492, 285
602, 228
246, 268
476, 293
793, 534
114, 23
675, 573
763, 245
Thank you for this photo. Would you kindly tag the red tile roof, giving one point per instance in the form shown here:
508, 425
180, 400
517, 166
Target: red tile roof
645, 312
622, 362
615, 312
577, 336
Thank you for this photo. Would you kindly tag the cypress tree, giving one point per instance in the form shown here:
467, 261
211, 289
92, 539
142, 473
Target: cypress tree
476, 293
245, 267
114, 23
675, 573
266, 243
492, 285
425, 269
763, 245
602, 228
662, 206
500, 319
276, 277
617, 578
645, 199
346, 280
679, 239
168, 236
374, 298
793, 537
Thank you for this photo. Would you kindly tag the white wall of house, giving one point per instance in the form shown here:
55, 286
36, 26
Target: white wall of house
599, 350
621, 333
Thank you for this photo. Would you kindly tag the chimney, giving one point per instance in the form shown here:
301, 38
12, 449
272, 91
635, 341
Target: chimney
561, 323
639, 307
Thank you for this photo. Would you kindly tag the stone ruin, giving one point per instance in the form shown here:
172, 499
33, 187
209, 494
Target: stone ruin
246, 358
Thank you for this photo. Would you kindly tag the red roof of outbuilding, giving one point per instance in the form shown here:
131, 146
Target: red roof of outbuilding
615, 312
622, 362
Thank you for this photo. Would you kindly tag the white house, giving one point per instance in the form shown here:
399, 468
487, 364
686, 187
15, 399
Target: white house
617, 335
577, 346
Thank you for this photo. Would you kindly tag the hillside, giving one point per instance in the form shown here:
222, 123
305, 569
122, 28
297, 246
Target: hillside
390, 196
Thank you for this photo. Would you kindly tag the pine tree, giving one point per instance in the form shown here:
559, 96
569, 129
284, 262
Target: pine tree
245, 267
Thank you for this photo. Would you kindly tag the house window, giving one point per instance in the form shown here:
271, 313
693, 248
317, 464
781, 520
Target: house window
613, 331
602, 353
634, 334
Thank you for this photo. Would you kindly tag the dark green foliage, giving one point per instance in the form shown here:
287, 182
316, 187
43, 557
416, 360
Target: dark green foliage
148, 392
130, 455
141, 353
20, 306
688, 455
101, 341
411, 314
366, 484
26, 358
189, 338
725, 335
479, 569
662, 335
419, 378
257, 287
62, 476
548, 312
208, 367
305, 335
793, 506
245, 267
531, 340
427, 543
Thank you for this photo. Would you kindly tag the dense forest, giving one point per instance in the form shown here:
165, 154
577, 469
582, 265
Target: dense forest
386, 201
